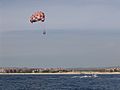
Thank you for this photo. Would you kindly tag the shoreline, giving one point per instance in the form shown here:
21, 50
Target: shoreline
65, 73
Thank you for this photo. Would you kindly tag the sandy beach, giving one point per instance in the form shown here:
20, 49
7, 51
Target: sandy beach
60, 73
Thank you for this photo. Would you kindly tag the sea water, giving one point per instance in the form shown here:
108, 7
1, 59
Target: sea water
59, 82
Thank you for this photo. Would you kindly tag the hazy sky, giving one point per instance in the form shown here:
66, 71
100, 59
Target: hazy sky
80, 33
62, 14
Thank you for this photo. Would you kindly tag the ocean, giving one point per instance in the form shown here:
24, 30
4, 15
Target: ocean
60, 82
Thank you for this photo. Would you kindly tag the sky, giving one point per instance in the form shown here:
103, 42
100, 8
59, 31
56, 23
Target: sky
80, 33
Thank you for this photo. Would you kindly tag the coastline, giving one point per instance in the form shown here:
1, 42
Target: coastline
64, 73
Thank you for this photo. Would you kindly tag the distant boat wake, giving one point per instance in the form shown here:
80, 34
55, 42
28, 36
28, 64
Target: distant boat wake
86, 76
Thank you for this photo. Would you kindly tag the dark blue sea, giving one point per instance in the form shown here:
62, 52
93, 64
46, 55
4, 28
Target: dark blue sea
59, 82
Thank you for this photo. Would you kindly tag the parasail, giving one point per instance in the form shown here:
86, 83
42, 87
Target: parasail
38, 16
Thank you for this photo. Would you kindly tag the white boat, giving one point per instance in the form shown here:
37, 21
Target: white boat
94, 75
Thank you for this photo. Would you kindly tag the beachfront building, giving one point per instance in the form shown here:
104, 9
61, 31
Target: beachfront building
2, 70
112, 70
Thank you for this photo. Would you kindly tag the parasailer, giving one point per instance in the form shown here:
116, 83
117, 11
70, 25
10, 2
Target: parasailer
38, 16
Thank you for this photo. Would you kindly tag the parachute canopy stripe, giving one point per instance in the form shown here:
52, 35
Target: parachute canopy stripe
37, 16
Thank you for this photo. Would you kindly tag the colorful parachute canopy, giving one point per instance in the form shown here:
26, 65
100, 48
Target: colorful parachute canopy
37, 16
